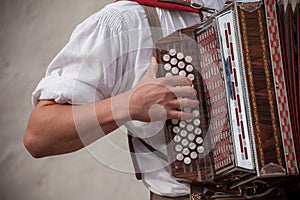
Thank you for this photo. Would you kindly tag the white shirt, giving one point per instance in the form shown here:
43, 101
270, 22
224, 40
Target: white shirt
108, 54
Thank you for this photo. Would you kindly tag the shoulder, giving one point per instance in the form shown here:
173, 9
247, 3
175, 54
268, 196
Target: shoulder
117, 16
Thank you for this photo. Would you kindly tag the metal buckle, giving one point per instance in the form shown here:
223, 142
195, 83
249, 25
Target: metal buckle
200, 7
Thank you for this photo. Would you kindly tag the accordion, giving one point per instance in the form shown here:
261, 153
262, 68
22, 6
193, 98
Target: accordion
244, 64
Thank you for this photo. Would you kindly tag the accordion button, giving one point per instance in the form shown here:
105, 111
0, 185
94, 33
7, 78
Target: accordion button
182, 124
199, 140
183, 133
167, 66
193, 155
189, 68
180, 55
200, 149
177, 138
172, 52
188, 59
191, 77
197, 122
174, 121
192, 146
176, 129
182, 73
186, 151
181, 64
184, 142
175, 70
169, 74
190, 127
198, 131
187, 160
179, 157
166, 58
178, 148
191, 137
196, 113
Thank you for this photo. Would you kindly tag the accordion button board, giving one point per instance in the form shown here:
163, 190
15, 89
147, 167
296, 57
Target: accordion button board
244, 128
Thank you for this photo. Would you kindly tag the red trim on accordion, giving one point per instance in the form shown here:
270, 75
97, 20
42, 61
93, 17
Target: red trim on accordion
165, 5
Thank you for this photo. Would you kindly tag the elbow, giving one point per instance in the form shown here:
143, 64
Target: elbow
32, 145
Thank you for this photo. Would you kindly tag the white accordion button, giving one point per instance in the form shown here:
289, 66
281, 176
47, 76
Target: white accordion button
194, 155
176, 129
183, 133
169, 74
184, 142
181, 65
177, 138
189, 68
182, 124
174, 61
167, 66
175, 70
200, 149
199, 140
192, 146
188, 59
196, 113
182, 73
174, 121
185, 151
191, 77
191, 137
187, 160
172, 52
198, 131
197, 122
190, 127
179, 157
178, 148
180, 55
166, 58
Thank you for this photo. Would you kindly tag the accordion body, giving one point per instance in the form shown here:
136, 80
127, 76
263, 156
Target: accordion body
246, 127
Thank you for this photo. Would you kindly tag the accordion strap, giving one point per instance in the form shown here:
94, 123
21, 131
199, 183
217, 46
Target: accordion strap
156, 32
154, 23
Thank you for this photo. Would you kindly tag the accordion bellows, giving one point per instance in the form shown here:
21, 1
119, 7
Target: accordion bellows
243, 62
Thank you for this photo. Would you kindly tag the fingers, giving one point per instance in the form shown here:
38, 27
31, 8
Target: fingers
176, 109
176, 81
183, 103
185, 91
175, 114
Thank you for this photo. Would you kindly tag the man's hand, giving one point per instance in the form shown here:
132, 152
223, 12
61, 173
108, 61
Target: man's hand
163, 98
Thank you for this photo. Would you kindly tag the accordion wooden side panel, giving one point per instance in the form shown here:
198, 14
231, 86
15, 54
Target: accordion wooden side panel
261, 93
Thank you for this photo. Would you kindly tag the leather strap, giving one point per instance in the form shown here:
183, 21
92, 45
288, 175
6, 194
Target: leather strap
154, 23
156, 32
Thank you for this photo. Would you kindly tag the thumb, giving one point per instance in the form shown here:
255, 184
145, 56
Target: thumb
153, 68
151, 71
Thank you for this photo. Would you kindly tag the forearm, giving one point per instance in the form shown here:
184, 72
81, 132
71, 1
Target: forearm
55, 129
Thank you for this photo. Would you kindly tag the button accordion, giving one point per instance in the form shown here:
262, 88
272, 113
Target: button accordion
243, 62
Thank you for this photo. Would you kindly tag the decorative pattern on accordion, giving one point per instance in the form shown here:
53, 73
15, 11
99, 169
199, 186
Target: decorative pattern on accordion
215, 95
281, 94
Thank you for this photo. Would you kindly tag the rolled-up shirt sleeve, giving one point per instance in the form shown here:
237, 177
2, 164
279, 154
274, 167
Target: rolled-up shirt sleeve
85, 70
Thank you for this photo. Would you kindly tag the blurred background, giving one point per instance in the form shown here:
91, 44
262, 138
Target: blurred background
32, 32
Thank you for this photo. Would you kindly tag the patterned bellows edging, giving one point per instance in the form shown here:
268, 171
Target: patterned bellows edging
282, 100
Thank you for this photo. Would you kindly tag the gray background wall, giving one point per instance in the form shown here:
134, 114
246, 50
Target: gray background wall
31, 33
